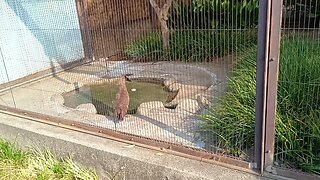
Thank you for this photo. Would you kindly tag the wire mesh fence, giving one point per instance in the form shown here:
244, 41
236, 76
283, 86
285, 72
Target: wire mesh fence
298, 123
181, 72
178, 56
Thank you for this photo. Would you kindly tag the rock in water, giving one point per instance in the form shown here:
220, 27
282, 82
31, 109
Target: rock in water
90, 108
188, 105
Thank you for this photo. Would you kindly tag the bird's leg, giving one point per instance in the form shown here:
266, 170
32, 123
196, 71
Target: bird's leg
114, 116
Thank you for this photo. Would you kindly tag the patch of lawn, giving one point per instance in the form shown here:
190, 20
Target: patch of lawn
17, 164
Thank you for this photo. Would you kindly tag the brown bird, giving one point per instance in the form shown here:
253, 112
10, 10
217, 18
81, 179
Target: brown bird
122, 99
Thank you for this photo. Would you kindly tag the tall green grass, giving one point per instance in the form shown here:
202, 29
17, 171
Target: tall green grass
298, 108
17, 164
197, 45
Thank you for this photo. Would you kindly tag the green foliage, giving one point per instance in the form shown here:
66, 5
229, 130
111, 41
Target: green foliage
10, 153
202, 30
298, 103
233, 121
302, 13
305, 8
209, 14
192, 45
146, 47
18, 164
298, 113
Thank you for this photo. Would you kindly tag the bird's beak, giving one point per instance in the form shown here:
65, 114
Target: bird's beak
126, 76
127, 79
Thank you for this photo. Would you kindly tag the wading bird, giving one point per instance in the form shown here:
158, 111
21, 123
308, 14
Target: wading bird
122, 99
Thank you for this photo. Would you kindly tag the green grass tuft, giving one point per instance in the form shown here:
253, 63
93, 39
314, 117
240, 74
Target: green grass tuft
147, 47
11, 154
192, 45
298, 112
18, 164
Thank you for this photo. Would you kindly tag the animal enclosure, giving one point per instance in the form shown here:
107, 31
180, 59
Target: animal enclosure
203, 75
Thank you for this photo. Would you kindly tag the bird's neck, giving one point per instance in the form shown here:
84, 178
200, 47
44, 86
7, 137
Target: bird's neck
122, 86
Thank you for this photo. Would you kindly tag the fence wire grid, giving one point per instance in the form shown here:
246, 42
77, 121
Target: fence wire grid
298, 120
189, 68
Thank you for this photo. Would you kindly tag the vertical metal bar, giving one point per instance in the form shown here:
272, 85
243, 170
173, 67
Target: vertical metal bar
261, 80
272, 83
82, 11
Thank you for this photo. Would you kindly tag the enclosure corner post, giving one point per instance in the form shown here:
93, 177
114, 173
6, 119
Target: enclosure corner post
272, 83
267, 81
261, 80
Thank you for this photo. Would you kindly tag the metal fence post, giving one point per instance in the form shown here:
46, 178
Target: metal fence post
263, 40
270, 15
272, 83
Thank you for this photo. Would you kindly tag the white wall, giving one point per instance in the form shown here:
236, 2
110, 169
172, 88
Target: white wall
35, 34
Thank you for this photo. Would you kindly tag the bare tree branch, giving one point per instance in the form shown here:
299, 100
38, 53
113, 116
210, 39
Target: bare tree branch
155, 7
167, 6
162, 14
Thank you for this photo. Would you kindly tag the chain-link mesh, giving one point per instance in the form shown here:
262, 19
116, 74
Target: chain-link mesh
298, 115
190, 67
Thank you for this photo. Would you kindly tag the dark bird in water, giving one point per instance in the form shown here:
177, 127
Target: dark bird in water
122, 99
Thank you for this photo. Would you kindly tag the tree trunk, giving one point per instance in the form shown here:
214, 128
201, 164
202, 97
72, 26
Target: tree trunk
165, 35
162, 14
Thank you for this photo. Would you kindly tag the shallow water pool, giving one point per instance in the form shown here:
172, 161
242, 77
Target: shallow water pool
103, 96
